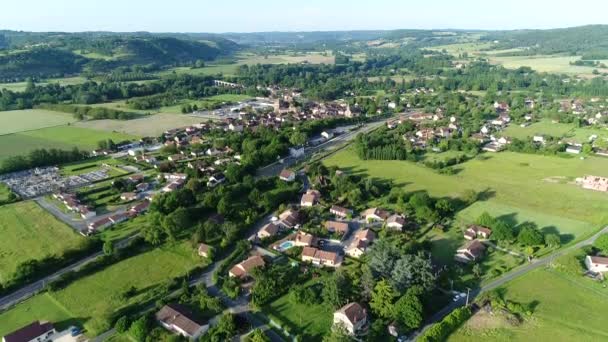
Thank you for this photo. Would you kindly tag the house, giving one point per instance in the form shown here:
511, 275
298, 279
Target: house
336, 227
289, 218
361, 242
268, 230
303, 239
204, 250
34, 332
86, 213
321, 258
352, 317
141, 187
474, 231
244, 268
117, 218
216, 179
310, 198
99, 224
375, 214
140, 208
135, 179
176, 157
128, 196
172, 186
287, 175
181, 320
573, 149
340, 211
596, 264
296, 152
327, 135
395, 222
470, 252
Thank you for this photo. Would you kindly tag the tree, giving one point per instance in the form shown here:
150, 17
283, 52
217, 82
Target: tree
408, 310
530, 236
382, 256
108, 248
412, 269
485, 220
602, 243
470, 196
477, 270
122, 324
335, 290
382, 299
139, 329
501, 231
258, 336
552, 240
338, 334
298, 138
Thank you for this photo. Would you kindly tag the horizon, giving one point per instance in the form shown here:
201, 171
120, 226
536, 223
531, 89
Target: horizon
190, 16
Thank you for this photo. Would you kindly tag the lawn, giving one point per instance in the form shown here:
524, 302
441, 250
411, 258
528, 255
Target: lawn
41, 307
565, 308
546, 127
15, 121
152, 125
60, 137
29, 232
524, 187
92, 299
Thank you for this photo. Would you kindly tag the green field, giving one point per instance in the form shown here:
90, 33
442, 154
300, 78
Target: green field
42, 307
29, 232
61, 137
566, 308
559, 130
152, 125
90, 300
546, 63
4, 192
20, 86
24, 120
520, 187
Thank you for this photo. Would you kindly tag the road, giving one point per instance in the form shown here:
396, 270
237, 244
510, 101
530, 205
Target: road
534, 264
35, 287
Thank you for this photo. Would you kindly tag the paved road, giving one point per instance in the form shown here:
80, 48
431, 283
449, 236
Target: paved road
536, 263
76, 224
35, 287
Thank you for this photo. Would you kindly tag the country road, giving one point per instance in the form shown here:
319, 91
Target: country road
534, 264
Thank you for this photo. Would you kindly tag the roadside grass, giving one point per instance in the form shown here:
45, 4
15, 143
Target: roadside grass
521, 186
28, 232
92, 299
564, 309
152, 125
15, 121
546, 127
41, 307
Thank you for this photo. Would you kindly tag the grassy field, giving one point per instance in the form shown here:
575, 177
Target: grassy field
4, 192
546, 63
24, 120
90, 300
565, 309
520, 187
20, 86
152, 125
29, 232
563, 130
42, 307
61, 137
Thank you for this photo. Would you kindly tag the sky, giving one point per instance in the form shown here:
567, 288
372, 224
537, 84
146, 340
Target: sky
288, 15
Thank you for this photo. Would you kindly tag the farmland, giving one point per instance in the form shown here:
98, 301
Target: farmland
514, 186
560, 130
565, 308
20, 86
29, 232
89, 300
61, 137
152, 125
24, 120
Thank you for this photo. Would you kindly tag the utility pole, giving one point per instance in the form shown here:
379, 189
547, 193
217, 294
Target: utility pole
468, 290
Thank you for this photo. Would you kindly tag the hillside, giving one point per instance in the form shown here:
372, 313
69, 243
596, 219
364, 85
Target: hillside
40, 62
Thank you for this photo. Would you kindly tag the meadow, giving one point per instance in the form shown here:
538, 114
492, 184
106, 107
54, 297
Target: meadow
560, 130
29, 232
20, 86
152, 125
24, 120
60, 137
546, 63
90, 300
518, 187
548, 292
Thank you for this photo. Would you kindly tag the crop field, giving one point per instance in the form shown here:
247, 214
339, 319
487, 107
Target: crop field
24, 120
61, 137
565, 308
560, 130
546, 63
520, 187
29, 232
152, 125
89, 300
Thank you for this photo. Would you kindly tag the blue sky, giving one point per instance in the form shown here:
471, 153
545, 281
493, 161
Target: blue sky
289, 15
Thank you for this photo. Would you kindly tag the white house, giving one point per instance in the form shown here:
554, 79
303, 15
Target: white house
287, 175
596, 264
179, 319
352, 317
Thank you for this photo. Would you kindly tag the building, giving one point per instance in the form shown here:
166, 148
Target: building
574, 149
470, 252
289, 218
34, 332
336, 227
475, 231
181, 320
99, 224
352, 317
321, 258
128, 196
303, 239
375, 214
362, 241
310, 198
395, 222
287, 175
596, 264
268, 230
204, 250
244, 268
340, 211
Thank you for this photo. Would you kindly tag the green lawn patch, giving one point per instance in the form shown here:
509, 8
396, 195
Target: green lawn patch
41, 307
29, 232
560, 130
24, 120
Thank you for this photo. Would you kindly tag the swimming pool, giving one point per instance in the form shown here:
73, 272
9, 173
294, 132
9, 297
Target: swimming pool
285, 245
